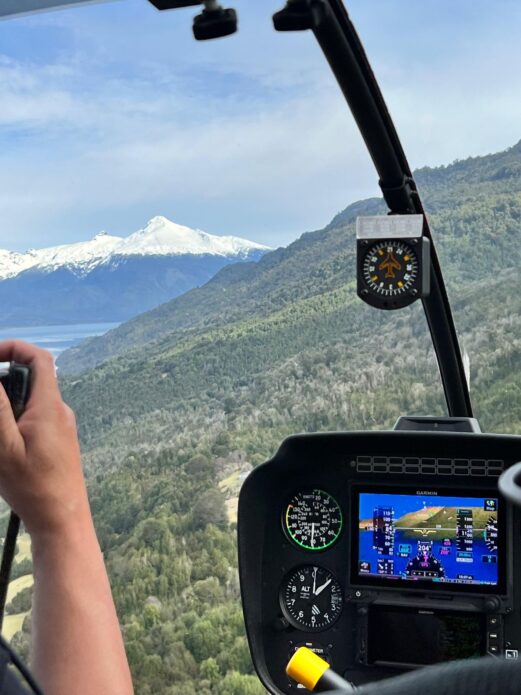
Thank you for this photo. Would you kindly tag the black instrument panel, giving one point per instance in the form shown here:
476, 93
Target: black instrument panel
304, 579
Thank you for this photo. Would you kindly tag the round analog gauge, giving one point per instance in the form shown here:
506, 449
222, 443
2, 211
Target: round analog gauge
491, 534
313, 519
311, 598
390, 268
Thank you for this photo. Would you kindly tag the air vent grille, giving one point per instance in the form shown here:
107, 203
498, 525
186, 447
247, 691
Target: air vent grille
429, 466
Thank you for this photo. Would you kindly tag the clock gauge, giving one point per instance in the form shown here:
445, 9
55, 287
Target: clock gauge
311, 598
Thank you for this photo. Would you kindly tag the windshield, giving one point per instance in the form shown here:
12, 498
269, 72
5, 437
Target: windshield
178, 225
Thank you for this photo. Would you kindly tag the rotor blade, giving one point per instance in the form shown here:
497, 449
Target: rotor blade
10, 8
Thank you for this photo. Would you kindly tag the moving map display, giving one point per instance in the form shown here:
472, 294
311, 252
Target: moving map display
426, 537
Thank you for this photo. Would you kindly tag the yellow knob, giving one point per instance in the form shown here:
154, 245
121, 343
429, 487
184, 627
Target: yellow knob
306, 668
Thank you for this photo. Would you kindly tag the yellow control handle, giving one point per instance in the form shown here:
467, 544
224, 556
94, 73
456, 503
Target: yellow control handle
306, 668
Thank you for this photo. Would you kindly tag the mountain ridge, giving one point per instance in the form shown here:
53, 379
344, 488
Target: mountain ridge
159, 237
110, 278
292, 302
325, 258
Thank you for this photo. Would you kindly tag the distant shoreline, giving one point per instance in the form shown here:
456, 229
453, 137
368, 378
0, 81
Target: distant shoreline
57, 337
24, 326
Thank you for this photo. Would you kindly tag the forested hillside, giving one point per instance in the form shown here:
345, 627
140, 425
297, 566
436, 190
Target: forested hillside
474, 208
187, 398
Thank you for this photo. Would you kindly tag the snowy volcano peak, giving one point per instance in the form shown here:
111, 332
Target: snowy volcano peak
163, 237
160, 237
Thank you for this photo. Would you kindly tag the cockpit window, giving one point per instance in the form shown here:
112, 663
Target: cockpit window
478, 237
178, 222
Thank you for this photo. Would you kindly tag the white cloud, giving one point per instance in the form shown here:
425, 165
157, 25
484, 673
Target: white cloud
129, 119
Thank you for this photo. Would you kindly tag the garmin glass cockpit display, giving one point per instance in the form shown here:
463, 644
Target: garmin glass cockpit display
428, 537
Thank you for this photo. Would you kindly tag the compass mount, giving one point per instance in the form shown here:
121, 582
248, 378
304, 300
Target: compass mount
393, 260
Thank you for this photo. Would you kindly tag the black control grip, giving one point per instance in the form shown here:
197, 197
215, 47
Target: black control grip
485, 676
17, 382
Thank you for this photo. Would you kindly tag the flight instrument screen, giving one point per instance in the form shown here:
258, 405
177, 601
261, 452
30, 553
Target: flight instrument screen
428, 537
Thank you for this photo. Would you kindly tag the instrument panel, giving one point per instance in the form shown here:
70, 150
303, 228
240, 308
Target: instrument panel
381, 551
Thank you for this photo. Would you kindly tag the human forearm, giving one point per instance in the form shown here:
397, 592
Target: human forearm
77, 643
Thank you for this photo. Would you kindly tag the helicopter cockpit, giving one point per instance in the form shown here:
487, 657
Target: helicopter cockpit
382, 552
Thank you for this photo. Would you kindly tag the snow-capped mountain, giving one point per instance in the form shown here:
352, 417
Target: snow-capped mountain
160, 237
113, 278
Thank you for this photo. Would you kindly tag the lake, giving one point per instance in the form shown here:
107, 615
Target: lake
56, 339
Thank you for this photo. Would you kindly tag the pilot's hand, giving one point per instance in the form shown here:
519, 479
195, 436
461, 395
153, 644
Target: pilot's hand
77, 645
41, 476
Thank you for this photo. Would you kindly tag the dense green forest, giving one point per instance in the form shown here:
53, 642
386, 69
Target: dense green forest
176, 406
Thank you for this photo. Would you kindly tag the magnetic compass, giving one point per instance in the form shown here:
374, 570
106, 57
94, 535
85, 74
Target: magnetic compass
390, 268
393, 271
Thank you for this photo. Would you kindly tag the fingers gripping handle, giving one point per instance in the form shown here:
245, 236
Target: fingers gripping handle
16, 382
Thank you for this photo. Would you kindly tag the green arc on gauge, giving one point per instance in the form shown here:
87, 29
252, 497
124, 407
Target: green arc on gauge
332, 508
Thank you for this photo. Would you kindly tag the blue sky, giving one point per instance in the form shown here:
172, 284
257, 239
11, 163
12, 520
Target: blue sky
111, 114
404, 504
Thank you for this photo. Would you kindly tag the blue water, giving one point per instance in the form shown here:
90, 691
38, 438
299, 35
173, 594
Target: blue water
56, 339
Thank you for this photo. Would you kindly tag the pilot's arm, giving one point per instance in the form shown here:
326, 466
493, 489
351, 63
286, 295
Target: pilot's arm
77, 648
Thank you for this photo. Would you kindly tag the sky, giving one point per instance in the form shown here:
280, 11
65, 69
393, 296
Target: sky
111, 114
404, 504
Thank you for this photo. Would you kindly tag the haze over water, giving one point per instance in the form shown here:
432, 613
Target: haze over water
56, 339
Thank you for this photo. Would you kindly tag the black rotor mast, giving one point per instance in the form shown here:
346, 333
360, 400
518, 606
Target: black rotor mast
337, 37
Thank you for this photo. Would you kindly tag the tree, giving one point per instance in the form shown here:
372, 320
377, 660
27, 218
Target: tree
209, 670
235, 683
210, 509
21, 603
